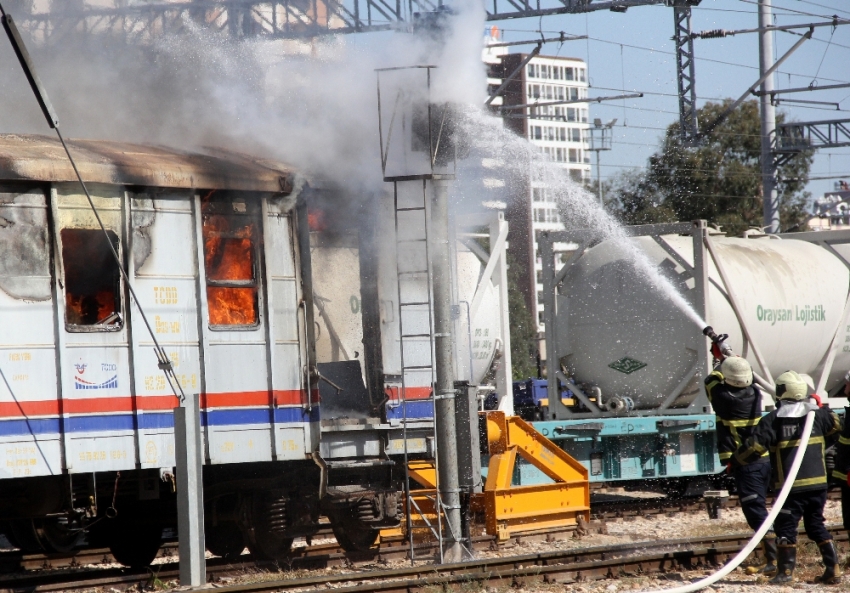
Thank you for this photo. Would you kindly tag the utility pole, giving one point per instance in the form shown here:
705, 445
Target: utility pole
444, 392
600, 139
768, 121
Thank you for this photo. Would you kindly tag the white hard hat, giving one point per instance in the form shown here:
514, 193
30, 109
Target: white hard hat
737, 372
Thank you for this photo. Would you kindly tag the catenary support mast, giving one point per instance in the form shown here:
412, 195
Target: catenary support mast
768, 121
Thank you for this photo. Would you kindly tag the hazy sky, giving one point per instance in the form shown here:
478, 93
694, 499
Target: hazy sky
634, 51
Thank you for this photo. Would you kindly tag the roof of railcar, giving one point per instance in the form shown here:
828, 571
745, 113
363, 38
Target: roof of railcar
41, 158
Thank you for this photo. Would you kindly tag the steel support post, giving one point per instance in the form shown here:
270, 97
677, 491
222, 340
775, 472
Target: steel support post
768, 121
504, 374
444, 389
190, 492
700, 304
549, 300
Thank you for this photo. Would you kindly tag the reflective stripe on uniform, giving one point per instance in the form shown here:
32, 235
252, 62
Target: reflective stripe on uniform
725, 455
844, 440
750, 497
741, 422
810, 481
839, 475
796, 443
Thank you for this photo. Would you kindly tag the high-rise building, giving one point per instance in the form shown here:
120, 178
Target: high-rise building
556, 120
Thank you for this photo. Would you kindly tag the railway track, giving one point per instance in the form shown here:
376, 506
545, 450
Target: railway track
553, 567
88, 568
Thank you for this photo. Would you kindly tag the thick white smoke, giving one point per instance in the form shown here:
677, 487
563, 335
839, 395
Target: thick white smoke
311, 104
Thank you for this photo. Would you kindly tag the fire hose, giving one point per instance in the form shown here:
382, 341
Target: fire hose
777, 504
768, 522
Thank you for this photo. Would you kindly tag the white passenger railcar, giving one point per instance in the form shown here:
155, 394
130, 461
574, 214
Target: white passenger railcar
216, 247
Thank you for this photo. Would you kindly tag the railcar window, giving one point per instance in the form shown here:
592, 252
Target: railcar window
92, 280
230, 233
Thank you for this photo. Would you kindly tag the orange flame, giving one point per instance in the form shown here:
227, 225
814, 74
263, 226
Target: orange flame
228, 257
89, 309
316, 220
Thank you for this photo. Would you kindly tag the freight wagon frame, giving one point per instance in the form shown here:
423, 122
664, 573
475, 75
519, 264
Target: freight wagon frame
636, 410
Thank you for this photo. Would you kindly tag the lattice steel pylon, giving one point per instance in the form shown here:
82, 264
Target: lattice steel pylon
685, 75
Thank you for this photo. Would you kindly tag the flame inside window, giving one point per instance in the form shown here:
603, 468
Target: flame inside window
92, 278
229, 234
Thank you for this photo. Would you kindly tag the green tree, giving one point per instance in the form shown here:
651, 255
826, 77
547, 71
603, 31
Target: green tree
719, 180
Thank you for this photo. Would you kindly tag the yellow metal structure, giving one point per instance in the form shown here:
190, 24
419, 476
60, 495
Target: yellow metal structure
513, 510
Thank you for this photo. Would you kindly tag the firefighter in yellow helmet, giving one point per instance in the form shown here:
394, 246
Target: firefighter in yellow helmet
737, 403
779, 433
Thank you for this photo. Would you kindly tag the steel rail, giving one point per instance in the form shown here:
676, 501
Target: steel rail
558, 566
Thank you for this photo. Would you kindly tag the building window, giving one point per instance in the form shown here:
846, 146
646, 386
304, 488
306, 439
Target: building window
584, 115
570, 73
230, 233
92, 280
575, 175
531, 71
581, 75
574, 155
536, 133
538, 194
540, 318
571, 114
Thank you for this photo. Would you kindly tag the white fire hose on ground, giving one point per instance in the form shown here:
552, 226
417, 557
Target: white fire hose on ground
765, 526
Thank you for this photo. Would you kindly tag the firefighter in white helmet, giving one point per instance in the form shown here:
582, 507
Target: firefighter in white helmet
779, 433
737, 403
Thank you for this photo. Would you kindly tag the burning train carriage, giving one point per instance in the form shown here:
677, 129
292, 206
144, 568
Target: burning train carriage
217, 250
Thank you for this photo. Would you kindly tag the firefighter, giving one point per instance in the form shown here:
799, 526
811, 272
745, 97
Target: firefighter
842, 460
737, 403
779, 432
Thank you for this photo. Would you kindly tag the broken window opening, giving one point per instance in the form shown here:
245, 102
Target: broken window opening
230, 235
92, 280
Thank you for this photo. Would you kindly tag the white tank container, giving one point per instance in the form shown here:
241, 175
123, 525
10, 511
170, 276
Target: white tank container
791, 293
339, 331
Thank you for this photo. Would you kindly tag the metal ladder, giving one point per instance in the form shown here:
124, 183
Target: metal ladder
408, 279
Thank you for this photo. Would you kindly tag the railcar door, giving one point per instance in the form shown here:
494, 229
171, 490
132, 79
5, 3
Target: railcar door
164, 268
237, 397
29, 406
97, 396
294, 408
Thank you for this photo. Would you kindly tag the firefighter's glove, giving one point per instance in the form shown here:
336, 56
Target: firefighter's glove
715, 351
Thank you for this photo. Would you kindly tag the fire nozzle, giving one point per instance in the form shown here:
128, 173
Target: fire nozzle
720, 340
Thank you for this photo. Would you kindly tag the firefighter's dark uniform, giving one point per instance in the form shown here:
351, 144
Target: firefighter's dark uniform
779, 433
842, 468
738, 412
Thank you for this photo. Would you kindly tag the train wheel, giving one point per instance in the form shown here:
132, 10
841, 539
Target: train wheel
225, 540
134, 538
351, 534
23, 535
56, 536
